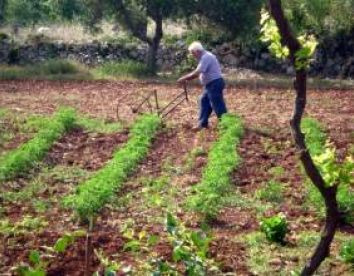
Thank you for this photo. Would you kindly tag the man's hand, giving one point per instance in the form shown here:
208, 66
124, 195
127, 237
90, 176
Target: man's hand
182, 81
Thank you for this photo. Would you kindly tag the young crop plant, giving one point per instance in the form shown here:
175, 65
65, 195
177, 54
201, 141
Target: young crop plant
189, 248
93, 194
332, 172
25, 157
275, 228
222, 160
347, 252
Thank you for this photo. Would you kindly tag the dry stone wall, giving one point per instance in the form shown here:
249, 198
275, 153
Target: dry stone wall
332, 59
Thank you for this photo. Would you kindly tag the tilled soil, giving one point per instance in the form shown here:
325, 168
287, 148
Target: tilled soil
266, 144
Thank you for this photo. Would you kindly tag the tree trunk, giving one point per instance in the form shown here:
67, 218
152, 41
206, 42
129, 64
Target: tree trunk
328, 193
151, 57
2, 11
154, 44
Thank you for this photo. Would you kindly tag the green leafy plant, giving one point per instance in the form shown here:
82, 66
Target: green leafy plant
20, 160
93, 194
222, 160
66, 240
138, 241
37, 266
189, 248
275, 228
347, 252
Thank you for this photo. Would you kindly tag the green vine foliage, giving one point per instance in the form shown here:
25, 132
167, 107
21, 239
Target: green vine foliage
333, 172
270, 35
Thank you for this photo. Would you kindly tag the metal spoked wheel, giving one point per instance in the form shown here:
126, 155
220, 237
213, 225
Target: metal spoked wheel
132, 104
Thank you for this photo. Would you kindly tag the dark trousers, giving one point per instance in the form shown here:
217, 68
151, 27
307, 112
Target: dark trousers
211, 99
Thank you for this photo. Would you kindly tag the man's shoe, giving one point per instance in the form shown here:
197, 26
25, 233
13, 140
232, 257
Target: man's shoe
198, 128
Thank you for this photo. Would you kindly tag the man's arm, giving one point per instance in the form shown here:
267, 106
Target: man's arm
190, 76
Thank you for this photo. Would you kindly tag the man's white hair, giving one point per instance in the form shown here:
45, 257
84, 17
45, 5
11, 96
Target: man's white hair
195, 46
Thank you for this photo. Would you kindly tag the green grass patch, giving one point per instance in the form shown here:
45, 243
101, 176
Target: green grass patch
222, 160
98, 125
51, 69
93, 194
125, 69
265, 258
22, 159
47, 181
271, 192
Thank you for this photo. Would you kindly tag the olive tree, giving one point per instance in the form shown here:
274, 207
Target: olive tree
134, 16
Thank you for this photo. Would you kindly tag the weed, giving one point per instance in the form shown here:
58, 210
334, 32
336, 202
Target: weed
277, 171
270, 147
39, 184
23, 195
26, 225
192, 155
93, 194
110, 267
153, 190
20, 160
66, 240
64, 174
37, 266
40, 206
272, 192
275, 228
222, 160
98, 125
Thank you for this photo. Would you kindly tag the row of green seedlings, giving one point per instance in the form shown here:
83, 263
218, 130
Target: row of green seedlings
93, 194
222, 161
25, 157
323, 153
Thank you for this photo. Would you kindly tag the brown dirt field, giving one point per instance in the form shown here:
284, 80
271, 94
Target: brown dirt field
267, 143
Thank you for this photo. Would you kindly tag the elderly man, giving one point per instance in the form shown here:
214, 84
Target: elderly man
209, 73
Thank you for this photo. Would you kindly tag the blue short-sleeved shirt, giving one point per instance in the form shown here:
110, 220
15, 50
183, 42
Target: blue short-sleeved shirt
209, 68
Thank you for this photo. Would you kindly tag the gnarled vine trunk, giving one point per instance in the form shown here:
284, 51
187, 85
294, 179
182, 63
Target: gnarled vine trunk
328, 193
